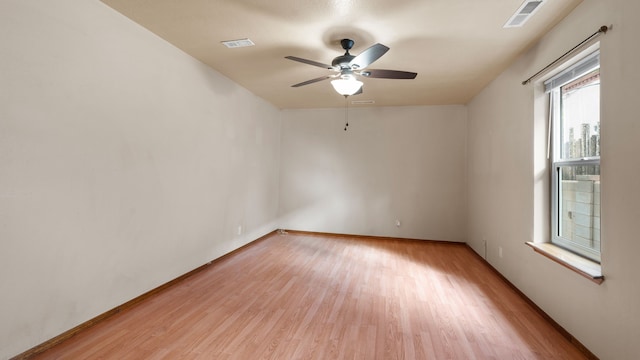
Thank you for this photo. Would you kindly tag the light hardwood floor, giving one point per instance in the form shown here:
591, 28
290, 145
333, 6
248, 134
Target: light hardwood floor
324, 297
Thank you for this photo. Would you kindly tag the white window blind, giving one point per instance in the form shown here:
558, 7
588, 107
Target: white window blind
584, 66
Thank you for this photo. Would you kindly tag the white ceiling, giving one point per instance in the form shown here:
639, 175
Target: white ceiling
456, 46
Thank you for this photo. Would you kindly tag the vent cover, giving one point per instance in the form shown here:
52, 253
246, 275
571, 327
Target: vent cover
362, 102
232, 44
524, 12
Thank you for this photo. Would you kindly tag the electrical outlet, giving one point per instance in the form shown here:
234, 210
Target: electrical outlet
484, 247
500, 251
239, 229
398, 223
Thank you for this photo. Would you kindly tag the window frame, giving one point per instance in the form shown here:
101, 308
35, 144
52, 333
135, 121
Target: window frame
553, 87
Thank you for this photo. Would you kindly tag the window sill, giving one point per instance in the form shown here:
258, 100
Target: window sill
587, 268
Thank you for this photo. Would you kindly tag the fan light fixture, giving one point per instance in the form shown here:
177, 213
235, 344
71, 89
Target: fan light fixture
346, 85
349, 66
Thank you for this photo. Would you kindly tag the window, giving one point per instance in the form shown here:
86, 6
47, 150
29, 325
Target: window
575, 157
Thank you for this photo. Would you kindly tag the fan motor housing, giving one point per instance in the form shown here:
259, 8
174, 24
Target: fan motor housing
343, 61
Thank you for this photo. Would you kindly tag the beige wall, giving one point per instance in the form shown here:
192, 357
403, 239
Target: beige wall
124, 163
508, 183
395, 163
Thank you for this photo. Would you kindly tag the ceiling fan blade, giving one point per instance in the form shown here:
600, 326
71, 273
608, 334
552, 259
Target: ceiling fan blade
310, 62
388, 74
369, 56
313, 81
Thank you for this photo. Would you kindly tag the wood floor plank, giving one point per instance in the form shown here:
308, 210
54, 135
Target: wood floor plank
327, 297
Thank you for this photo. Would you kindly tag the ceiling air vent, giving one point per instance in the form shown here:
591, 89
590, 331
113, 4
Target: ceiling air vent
524, 12
232, 44
362, 102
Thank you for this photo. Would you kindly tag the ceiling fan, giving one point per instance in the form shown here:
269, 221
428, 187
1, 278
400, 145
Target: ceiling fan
349, 67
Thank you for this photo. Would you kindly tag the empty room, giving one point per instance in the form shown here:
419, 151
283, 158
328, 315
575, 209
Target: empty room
344, 179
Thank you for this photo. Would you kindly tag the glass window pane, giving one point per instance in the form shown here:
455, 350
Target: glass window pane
579, 207
580, 123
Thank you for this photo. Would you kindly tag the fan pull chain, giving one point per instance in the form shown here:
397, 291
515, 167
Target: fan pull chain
346, 113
